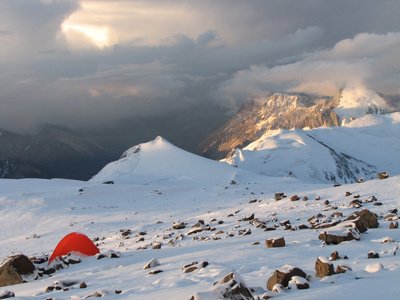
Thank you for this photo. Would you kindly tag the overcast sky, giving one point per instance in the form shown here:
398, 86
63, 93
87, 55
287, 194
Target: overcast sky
84, 63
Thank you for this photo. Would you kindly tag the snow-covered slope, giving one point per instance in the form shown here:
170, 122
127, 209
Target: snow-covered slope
357, 102
36, 214
158, 161
329, 154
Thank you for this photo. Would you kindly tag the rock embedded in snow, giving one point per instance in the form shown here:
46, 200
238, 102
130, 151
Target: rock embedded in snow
300, 282
7, 294
394, 225
232, 286
284, 276
323, 267
372, 254
383, 175
276, 242
14, 268
152, 263
342, 269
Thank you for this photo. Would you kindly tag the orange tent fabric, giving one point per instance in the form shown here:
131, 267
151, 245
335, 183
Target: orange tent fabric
76, 243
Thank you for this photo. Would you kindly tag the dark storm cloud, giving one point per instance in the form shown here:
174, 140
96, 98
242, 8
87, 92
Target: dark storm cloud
174, 55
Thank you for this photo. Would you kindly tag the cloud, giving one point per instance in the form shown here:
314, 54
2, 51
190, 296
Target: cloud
90, 63
368, 60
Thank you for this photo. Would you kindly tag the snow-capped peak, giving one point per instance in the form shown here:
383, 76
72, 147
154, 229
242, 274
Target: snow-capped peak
356, 102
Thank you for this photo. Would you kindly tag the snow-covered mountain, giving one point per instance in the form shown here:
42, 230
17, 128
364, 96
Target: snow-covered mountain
356, 102
343, 154
160, 162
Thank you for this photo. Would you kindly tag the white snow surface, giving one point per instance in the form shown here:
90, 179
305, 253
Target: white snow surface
150, 195
342, 154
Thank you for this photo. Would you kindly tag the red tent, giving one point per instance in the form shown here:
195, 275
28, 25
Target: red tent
75, 243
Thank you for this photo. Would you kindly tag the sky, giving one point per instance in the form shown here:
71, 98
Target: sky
91, 63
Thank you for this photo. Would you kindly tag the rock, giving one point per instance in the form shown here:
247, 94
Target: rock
279, 196
273, 243
334, 256
83, 285
383, 175
326, 202
342, 269
369, 219
232, 287
372, 254
157, 246
394, 225
155, 272
178, 225
348, 194
370, 199
248, 218
334, 239
377, 203
323, 267
7, 294
294, 198
283, 277
152, 263
13, 268
194, 266
300, 282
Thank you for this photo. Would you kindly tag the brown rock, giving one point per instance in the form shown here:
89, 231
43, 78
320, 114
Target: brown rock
372, 254
323, 267
383, 175
334, 256
273, 243
283, 277
7, 294
233, 287
369, 219
337, 239
342, 269
12, 269
394, 225
294, 198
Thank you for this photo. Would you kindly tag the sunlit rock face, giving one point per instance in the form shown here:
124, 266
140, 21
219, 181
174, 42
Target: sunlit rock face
259, 115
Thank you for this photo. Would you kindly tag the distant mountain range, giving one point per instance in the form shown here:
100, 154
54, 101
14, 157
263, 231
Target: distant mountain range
64, 153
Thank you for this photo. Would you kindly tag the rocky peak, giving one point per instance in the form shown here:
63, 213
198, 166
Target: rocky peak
259, 115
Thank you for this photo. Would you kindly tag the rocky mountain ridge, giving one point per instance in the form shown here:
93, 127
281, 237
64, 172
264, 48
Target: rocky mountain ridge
259, 115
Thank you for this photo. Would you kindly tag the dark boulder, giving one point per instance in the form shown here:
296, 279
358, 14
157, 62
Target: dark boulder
13, 268
283, 277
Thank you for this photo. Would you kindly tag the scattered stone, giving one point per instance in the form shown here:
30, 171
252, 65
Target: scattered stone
279, 196
108, 182
253, 201
155, 272
294, 198
283, 277
394, 225
383, 175
274, 243
194, 266
196, 228
318, 198
342, 269
245, 232
334, 256
323, 267
178, 225
83, 285
337, 214
377, 203
334, 239
393, 211
326, 202
7, 294
372, 254
303, 226
348, 194
248, 218
305, 198
152, 263
300, 282
269, 228
361, 180
157, 246
370, 199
